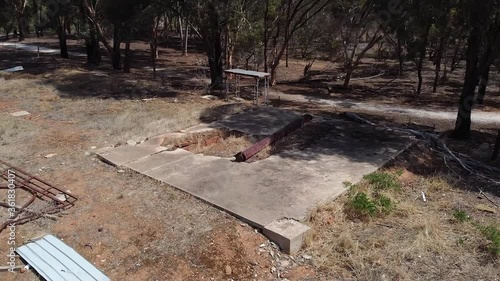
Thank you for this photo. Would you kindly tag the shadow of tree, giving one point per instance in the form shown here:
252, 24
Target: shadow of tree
334, 134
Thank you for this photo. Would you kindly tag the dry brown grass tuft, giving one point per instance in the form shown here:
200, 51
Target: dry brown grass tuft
224, 147
416, 241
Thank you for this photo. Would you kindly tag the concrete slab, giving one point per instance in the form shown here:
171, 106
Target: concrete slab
158, 140
201, 128
260, 122
287, 233
118, 156
286, 185
146, 164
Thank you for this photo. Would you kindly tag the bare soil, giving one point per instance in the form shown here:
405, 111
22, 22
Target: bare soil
134, 228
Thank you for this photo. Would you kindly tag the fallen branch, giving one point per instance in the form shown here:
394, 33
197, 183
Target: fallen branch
460, 177
438, 145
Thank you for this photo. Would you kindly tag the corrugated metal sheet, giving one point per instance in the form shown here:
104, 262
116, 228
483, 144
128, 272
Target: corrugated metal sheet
248, 73
56, 261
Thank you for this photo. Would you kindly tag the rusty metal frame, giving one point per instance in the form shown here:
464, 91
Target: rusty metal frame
39, 189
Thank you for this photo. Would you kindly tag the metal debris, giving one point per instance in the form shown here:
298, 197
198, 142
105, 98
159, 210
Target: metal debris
32, 189
54, 260
20, 114
14, 69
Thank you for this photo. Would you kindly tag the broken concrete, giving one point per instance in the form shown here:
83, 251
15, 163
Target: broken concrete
285, 185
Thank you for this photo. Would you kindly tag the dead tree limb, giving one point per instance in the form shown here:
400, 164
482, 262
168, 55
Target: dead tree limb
438, 145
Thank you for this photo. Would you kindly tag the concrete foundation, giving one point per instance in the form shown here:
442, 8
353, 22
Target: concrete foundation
285, 185
289, 234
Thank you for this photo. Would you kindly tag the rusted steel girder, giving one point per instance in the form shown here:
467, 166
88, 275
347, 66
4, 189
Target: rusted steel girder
259, 146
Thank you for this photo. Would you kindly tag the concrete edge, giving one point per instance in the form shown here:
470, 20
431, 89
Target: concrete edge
288, 234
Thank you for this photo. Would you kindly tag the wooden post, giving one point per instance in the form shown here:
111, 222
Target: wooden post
496, 152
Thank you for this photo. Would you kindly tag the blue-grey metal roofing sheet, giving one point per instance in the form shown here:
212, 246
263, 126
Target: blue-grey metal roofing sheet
247, 73
56, 261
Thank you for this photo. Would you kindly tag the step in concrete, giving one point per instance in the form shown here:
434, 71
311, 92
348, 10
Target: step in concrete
151, 162
118, 156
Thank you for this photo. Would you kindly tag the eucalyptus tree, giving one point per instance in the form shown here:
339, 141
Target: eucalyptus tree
122, 14
360, 30
7, 20
483, 43
20, 12
291, 16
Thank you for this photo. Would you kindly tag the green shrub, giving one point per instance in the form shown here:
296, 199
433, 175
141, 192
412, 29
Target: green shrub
461, 216
383, 181
363, 205
385, 203
493, 234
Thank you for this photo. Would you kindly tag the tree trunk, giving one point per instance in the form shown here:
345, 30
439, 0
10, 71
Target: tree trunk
439, 57
266, 35
496, 151
286, 55
67, 24
274, 78
215, 62
181, 34
20, 24
126, 61
483, 84
212, 39
116, 55
153, 44
444, 78
463, 123
186, 38
421, 58
484, 76
93, 50
456, 57
61, 34
348, 75
401, 64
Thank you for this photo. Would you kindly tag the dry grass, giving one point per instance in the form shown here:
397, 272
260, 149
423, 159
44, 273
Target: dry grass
224, 147
417, 241
112, 120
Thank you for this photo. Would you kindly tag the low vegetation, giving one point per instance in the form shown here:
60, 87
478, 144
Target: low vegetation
461, 216
367, 199
382, 229
492, 233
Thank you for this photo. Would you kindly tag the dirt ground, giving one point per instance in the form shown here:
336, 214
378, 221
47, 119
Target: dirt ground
133, 228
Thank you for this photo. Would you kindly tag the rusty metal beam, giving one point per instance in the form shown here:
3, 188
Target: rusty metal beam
259, 146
